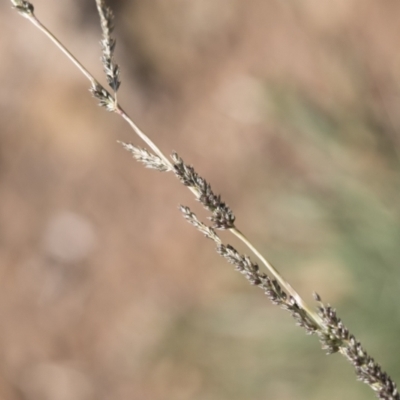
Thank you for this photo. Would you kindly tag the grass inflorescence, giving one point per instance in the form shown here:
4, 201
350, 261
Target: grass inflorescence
323, 321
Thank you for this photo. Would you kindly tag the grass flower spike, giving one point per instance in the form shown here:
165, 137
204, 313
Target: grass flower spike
111, 69
322, 320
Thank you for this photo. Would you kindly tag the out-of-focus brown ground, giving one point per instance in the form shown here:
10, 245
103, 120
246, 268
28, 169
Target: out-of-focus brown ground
290, 110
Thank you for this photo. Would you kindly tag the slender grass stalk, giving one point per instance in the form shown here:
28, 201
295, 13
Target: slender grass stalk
43, 29
332, 333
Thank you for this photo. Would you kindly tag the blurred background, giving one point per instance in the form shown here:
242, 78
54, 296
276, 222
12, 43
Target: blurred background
290, 110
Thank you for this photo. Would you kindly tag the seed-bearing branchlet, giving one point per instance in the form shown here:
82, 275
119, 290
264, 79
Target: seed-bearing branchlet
149, 160
339, 339
103, 96
270, 286
108, 43
222, 215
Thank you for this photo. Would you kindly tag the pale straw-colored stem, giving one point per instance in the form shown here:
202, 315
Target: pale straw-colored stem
42, 28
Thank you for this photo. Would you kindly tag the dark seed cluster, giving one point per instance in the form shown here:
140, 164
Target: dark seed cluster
104, 97
23, 7
339, 339
270, 286
222, 215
